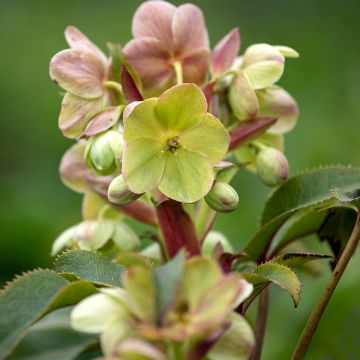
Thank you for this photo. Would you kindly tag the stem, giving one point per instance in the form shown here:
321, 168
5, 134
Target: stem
315, 316
114, 86
179, 72
261, 323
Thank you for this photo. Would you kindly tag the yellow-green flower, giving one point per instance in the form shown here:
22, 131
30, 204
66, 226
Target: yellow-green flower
172, 143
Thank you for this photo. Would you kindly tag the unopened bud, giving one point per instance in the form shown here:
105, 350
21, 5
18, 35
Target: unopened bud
119, 193
214, 239
106, 151
272, 166
222, 197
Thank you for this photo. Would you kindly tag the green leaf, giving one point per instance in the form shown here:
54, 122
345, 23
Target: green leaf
53, 338
166, 280
298, 259
277, 274
90, 266
313, 189
29, 298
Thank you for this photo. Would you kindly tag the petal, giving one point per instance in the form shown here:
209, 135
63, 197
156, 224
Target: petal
76, 112
225, 52
189, 29
77, 40
153, 19
129, 108
188, 176
130, 349
142, 122
276, 102
143, 164
96, 313
150, 60
180, 107
63, 240
102, 121
139, 284
78, 72
115, 332
200, 274
208, 136
236, 343
195, 66
242, 97
264, 65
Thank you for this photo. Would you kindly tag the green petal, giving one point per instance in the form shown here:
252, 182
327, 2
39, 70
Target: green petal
180, 107
188, 176
143, 164
143, 123
200, 274
208, 136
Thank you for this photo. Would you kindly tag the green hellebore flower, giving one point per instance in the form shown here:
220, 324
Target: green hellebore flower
119, 193
212, 240
172, 143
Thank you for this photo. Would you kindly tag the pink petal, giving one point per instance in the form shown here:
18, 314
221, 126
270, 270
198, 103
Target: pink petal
189, 29
150, 61
77, 40
153, 19
80, 73
195, 66
129, 108
225, 52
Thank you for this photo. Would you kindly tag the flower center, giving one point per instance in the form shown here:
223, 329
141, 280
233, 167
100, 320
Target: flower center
172, 144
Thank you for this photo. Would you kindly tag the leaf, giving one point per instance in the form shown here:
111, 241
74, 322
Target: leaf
247, 130
130, 90
166, 278
53, 338
277, 274
29, 297
90, 266
297, 259
177, 228
312, 189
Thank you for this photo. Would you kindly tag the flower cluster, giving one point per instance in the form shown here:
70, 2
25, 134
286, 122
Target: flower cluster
161, 128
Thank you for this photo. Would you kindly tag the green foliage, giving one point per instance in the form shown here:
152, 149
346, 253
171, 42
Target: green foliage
167, 279
90, 266
277, 274
310, 190
29, 298
295, 260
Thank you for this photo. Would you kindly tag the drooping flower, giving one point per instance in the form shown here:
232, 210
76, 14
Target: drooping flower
172, 143
82, 71
165, 35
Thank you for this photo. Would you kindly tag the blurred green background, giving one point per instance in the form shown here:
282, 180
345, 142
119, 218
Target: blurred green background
35, 206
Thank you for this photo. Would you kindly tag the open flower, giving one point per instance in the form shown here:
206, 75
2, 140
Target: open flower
164, 35
172, 143
82, 71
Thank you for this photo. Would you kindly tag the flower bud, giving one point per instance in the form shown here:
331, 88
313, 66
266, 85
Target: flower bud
119, 193
272, 166
106, 151
222, 197
212, 239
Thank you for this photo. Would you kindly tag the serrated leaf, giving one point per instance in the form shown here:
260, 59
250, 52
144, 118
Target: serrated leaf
297, 259
90, 266
166, 278
277, 274
53, 338
312, 189
29, 298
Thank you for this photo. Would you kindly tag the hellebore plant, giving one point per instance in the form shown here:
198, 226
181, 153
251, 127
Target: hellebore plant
162, 127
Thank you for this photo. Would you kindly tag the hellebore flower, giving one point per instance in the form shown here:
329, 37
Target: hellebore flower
172, 143
82, 71
166, 35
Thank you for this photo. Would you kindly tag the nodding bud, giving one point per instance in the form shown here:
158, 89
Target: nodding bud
272, 166
119, 193
214, 239
222, 197
105, 151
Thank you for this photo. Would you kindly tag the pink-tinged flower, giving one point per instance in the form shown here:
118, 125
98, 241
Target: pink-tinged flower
82, 71
164, 35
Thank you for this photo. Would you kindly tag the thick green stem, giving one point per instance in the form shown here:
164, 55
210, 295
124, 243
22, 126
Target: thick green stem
261, 323
315, 316
179, 72
114, 86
